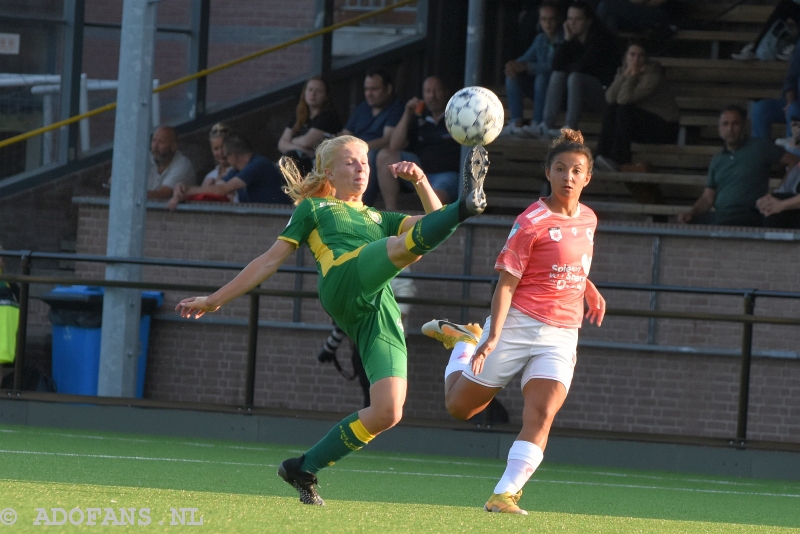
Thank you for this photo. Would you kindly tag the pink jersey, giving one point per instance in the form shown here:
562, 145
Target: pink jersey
551, 254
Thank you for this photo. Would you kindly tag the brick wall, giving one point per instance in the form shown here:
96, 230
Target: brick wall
615, 390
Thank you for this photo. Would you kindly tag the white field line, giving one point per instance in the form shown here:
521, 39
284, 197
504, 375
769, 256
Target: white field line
137, 458
409, 473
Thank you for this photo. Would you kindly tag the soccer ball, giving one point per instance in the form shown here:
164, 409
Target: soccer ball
474, 116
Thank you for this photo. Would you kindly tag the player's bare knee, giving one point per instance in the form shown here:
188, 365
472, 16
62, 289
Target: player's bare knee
457, 409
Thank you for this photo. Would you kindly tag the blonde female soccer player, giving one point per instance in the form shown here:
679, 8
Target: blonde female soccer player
358, 251
537, 309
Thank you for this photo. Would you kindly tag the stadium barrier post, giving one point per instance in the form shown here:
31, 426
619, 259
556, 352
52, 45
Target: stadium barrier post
252, 341
22, 328
744, 377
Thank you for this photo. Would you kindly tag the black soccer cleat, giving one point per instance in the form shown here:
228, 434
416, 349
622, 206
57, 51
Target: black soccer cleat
475, 168
302, 481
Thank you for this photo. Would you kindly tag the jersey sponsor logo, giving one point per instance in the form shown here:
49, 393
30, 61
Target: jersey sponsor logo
586, 262
326, 204
574, 231
400, 324
555, 234
513, 230
375, 216
561, 284
590, 235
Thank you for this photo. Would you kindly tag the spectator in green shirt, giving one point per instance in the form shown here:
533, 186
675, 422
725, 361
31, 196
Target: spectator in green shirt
738, 176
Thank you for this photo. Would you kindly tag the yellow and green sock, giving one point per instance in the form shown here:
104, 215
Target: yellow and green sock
347, 436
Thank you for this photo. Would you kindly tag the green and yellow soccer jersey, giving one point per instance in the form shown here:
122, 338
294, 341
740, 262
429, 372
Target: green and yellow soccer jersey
335, 230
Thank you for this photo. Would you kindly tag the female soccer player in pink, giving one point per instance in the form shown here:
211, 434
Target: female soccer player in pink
537, 309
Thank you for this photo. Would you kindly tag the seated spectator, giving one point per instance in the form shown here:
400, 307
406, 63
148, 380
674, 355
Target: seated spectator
633, 15
314, 120
217, 174
781, 208
168, 167
641, 108
771, 110
253, 177
738, 176
582, 65
778, 45
528, 74
373, 121
422, 132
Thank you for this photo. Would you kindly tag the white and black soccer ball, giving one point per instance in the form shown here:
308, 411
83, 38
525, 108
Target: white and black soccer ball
474, 116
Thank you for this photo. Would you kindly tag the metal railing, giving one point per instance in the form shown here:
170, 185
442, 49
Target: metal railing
211, 70
747, 318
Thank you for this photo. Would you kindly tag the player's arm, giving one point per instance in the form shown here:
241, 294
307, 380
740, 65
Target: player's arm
595, 302
501, 302
256, 272
408, 170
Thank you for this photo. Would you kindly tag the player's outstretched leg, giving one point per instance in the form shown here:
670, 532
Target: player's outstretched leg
303, 481
434, 228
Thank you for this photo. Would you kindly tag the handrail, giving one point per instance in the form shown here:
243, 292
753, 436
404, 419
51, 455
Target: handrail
206, 72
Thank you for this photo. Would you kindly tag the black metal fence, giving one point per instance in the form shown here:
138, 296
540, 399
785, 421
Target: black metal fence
747, 318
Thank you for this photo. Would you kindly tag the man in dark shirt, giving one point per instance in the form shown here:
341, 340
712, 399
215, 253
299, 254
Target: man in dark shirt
582, 66
422, 132
373, 121
738, 176
254, 178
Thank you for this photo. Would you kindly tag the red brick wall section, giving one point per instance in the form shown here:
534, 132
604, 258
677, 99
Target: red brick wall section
615, 390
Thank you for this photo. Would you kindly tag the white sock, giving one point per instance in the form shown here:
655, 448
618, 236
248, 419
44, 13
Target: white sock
523, 459
459, 358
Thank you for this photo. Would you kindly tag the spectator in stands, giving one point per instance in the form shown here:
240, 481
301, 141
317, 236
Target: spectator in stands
771, 110
641, 108
217, 174
422, 132
777, 45
252, 176
781, 208
738, 176
373, 121
314, 120
528, 74
168, 167
582, 65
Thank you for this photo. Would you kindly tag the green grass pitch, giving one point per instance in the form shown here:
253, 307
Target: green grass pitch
164, 484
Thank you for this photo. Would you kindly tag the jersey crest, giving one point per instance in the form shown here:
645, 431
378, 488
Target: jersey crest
375, 216
555, 234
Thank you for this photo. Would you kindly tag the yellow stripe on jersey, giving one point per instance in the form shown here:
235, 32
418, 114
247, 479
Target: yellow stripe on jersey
360, 431
289, 240
324, 255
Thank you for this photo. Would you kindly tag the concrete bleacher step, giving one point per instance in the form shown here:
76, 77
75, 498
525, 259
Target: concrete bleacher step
744, 13
725, 71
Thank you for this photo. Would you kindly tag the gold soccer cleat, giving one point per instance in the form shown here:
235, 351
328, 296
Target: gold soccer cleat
451, 333
505, 503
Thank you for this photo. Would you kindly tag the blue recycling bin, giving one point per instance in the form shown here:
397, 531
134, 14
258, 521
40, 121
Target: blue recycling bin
76, 313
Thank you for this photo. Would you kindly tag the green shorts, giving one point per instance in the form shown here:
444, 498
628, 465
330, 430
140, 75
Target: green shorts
358, 296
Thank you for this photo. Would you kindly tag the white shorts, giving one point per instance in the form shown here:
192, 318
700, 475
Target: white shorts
537, 349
